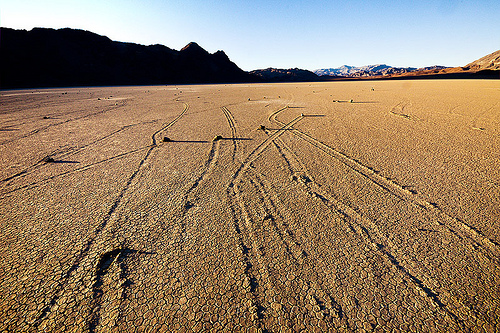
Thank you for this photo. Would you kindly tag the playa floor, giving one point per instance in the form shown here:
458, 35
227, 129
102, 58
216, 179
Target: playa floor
338, 206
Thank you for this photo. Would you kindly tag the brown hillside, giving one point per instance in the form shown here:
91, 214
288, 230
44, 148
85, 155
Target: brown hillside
491, 61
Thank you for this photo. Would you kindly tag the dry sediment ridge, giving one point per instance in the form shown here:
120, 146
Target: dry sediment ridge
307, 214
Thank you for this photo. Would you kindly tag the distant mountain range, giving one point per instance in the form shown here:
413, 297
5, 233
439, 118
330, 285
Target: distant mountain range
487, 67
285, 75
370, 70
67, 57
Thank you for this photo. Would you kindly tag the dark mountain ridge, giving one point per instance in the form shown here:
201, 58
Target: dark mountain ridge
285, 75
45, 57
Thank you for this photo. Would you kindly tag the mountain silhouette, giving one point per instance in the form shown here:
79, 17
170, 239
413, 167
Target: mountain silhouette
45, 57
285, 75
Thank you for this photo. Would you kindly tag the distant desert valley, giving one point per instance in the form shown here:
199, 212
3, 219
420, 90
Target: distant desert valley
244, 204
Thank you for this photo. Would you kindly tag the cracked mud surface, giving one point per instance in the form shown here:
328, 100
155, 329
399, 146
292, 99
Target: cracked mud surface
308, 215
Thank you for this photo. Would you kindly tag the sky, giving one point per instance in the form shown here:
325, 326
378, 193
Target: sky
284, 34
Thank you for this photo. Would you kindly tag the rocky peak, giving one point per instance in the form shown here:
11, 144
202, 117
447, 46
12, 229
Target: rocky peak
193, 47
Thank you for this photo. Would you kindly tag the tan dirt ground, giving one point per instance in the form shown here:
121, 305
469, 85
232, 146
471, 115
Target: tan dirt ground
380, 214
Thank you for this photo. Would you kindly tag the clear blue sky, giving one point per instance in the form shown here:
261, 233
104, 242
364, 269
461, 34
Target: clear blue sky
268, 33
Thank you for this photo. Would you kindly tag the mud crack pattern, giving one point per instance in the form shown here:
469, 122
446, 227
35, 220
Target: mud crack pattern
306, 215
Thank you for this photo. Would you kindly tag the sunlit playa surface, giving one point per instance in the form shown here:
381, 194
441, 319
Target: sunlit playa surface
341, 206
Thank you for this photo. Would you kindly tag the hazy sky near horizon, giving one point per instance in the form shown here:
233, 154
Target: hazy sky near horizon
268, 33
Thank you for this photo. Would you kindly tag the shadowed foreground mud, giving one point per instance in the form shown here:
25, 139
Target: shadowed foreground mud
343, 206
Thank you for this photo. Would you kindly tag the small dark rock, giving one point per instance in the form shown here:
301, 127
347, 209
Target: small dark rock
48, 159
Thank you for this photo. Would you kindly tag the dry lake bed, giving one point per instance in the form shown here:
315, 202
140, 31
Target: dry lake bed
339, 206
